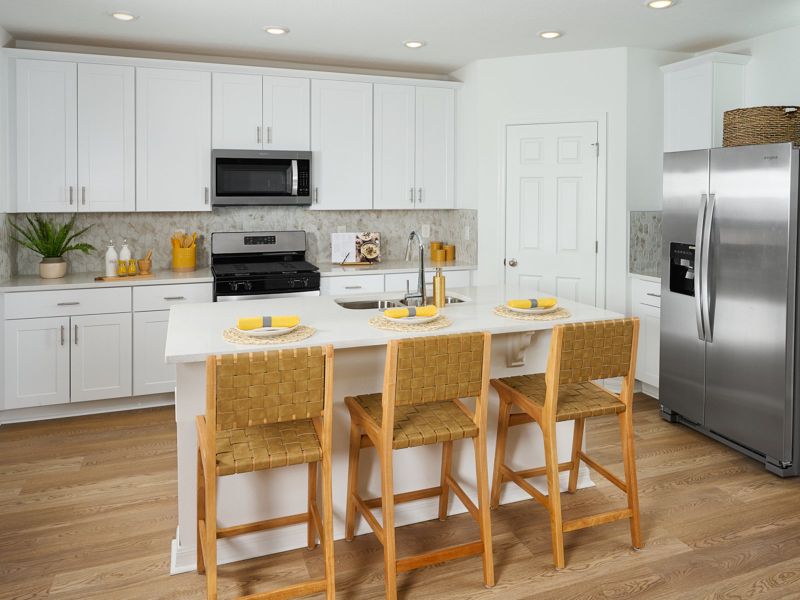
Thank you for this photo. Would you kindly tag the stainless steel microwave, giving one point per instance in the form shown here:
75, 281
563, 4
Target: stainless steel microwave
260, 178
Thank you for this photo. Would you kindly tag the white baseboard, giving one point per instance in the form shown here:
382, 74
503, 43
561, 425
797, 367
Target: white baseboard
262, 543
60, 411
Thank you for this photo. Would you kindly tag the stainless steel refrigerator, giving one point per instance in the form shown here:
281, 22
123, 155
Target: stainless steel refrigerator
729, 298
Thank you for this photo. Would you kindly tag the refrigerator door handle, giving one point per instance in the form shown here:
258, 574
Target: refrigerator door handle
709, 221
698, 258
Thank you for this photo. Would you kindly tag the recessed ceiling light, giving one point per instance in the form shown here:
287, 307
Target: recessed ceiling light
276, 30
550, 35
121, 15
414, 44
660, 3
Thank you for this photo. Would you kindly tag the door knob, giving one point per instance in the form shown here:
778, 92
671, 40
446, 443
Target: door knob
512, 262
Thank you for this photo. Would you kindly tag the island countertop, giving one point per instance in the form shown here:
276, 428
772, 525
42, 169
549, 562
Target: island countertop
195, 330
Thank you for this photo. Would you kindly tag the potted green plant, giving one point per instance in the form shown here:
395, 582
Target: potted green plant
51, 241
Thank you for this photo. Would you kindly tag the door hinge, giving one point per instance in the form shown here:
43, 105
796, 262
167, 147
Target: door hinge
596, 247
596, 148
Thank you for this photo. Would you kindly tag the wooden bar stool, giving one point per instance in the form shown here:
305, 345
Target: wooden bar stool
424, 380
579, 354
266, 410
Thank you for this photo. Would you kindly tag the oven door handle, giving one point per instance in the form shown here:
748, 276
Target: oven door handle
294, 178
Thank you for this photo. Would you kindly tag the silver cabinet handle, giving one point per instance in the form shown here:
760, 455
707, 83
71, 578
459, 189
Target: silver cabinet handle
205, 194
353, 287
411, 196
316, 195
419, 195
654, 295
70, 195
68, 304
512, 262
269, 134
258, 134
174, 297
76, 335
83, 195
62, 335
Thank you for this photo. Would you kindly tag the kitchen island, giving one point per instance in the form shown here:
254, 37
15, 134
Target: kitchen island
195, 332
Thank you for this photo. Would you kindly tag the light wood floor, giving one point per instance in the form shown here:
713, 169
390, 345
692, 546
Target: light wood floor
88, 509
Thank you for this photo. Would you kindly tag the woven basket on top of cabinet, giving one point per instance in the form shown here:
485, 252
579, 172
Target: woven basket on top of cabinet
761, 125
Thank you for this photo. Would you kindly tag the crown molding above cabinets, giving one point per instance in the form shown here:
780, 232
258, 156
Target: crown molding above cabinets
97, 133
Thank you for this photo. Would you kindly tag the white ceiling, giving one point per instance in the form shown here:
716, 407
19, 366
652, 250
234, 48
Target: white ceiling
369, 33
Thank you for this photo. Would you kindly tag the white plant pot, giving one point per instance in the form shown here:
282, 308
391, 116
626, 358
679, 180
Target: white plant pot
52, 268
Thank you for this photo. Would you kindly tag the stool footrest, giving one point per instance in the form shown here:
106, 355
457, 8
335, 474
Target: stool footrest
516, 478
536, 472
292, 591
406, 496
604, 472
225, 532
465, 500
363, 507
607, 517
439, 556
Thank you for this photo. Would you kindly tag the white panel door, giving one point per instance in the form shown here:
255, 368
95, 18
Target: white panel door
551, 209
286, 113
173, 140
236, 117
151, 373
435, 147
106, 138
47, 130
341, 142
36, 362
101, 357
394, 146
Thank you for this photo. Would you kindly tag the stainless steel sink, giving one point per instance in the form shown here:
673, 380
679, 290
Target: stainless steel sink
418, 301
370, 303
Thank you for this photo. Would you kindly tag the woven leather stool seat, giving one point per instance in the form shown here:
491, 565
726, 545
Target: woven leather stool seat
267, 446
575, 400
421, 424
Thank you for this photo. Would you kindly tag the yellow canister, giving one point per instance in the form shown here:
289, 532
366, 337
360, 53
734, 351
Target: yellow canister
184, 259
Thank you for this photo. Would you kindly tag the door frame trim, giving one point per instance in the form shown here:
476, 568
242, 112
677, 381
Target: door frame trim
601, 119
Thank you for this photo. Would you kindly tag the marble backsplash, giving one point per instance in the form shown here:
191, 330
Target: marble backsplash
153, 230
644, 256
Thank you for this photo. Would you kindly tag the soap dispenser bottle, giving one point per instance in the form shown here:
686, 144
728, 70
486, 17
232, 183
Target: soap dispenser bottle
125, 252
111, 259
439, 290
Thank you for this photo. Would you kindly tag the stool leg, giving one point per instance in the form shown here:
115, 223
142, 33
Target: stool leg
327, 524
577, 442
352, 482
500, 450
211, 535
629, 459
482, 476
312, 498
387, 504
201, 511
444, 494
554, 493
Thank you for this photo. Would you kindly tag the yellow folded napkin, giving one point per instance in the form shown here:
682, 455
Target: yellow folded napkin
411, 311
533, 303
247, 323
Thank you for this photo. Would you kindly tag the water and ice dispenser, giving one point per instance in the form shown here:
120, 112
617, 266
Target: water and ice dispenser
681, 268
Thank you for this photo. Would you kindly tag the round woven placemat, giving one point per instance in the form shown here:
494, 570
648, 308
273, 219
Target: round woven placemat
302, 332
503, 311
380, 323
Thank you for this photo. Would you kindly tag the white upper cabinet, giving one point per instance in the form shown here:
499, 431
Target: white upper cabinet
106, 138
173, 140
236, 102
341, 142
414, 145
697, 92
394, 146
435, 143
47, 133
251, 112
287, 118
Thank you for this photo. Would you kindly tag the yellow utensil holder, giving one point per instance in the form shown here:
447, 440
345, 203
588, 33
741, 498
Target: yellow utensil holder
184, 259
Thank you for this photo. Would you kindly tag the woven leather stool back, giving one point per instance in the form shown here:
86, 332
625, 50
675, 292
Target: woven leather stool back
595, 350
434, 369
269, 387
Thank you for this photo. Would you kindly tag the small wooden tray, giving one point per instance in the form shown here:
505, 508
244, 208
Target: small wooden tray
356, 264
126, 277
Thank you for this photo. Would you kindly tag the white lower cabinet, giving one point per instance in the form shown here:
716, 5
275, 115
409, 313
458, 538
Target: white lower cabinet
151, 374
646, 304
100, 365
36, 362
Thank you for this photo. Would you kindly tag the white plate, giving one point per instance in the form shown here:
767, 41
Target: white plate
533, 311
265, 332
411, 320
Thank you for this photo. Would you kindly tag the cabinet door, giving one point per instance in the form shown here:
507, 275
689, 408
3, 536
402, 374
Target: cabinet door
106, 142
688, 109
101, 356
173, 140
47, 130
36, 362
394, 146
341, 142
435, 142
151, 375
286, 115
236, 118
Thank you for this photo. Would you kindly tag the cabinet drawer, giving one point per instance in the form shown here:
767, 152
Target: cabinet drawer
61, 303
351, 284
161, 297
647, 293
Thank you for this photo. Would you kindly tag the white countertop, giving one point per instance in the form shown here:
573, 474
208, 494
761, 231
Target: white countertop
73, 281
195, 330
645, 277
390, 266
